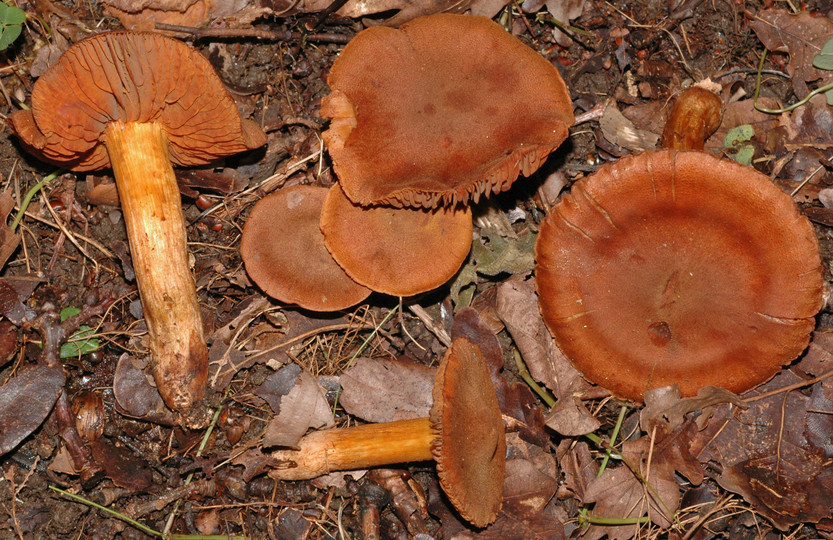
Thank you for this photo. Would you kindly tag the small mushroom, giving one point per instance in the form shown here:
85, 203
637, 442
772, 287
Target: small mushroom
678, 267
138, 102
446, 108
464, 434
694, 117
283, 249
396, 251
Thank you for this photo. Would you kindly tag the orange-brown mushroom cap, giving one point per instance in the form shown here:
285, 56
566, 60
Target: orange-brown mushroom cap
470, 444
128, 77
445, 108
283, 249
678, 267
396, 251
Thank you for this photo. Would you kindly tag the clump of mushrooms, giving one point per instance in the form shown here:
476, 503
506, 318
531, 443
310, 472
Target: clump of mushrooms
678, 267
138, 103
424, 118
464, 434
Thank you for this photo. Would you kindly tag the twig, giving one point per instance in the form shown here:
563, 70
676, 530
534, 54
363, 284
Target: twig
266, 35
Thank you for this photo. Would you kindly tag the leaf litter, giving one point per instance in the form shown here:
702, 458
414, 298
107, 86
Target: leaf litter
278, 373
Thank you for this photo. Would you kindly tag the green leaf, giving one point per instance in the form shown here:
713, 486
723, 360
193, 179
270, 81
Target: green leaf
78, 345
829, 95
737, 135
11, 19
824, 60
68, 312
11, 15
733, 144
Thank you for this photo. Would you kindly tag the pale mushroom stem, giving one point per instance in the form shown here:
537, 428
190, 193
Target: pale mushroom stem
359, 447
152, 208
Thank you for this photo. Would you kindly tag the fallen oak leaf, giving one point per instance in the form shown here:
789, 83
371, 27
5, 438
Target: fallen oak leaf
801, 35
299, 403
776, 454
26, 400
384, 390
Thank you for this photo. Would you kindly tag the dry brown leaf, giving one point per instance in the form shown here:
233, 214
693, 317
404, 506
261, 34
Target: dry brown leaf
776, 454
300, 404
136, 396
26, 400
665, 408
122, 466
620, 493
802, 36
619, 130
517, 307
570, 417
9, 240
382, 390
578, 466
487, 8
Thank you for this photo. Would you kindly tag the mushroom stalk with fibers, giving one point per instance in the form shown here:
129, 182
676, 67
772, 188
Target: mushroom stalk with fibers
152, 209
464, 434
359, 447
139, 102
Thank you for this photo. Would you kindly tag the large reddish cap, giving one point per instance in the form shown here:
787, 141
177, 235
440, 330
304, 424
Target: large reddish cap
132, 77
445, 108
678, 267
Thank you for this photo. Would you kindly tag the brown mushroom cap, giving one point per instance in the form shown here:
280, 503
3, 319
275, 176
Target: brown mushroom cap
396, 251
126, 76
283, 249
678, 267
445, 108
470, 447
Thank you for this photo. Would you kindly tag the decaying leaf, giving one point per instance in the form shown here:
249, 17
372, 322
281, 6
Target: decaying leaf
517, 306
777, 453
664, 406
9, 240
383, 390
136, 396
802, 36
620, 131
26, 400
121, 466
570, 417
492, 255
299, 403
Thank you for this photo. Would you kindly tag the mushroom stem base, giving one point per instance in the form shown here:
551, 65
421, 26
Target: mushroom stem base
152, 209
358, 447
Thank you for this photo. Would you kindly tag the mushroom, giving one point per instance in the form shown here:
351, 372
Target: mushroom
138, 102
464, 434
396, 251
694, 117
678, 267
445, 108
283, 249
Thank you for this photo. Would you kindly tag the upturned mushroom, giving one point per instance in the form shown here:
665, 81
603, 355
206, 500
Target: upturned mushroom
138, 102
678, 267
464, 434
283, 249
444, 109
